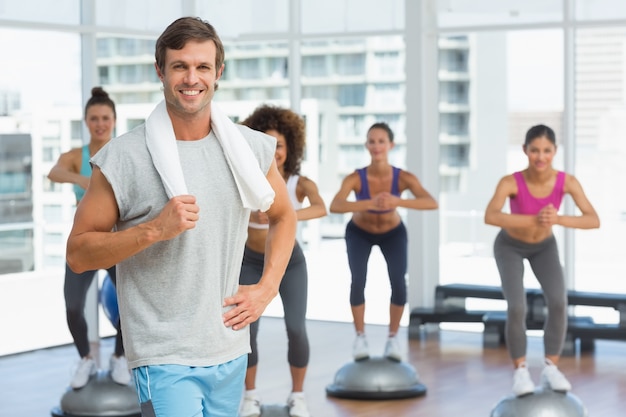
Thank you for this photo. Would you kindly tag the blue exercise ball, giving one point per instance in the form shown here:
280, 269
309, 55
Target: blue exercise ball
108, 300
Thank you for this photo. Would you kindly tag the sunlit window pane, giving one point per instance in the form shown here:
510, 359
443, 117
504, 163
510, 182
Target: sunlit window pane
497, 12
58, 11
324, 16
16, 253
493, 87
243, 17
137, 14
38, 117
315, 66
600, 9
600, 155
388, 63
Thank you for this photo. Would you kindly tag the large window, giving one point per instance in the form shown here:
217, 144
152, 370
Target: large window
493, 87
600, 153
31, 133
500, 68
528, 70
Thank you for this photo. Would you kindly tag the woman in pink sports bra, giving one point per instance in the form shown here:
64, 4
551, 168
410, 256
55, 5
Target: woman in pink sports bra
535, 195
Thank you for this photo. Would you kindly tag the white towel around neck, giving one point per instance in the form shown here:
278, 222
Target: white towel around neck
254, 189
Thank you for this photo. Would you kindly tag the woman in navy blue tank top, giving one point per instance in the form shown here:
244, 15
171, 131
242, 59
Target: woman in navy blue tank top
378, 190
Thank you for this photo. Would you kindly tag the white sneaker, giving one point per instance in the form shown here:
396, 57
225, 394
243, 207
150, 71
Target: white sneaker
553, 379
360, 350
84, 370
522, 382
392, 349
250, 406
119, 370
297, 405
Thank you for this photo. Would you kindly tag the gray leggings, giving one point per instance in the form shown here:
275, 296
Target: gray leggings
75, 291
543, 257
293, 294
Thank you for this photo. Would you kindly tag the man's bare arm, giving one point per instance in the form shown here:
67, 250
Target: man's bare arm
251, 300
93, 245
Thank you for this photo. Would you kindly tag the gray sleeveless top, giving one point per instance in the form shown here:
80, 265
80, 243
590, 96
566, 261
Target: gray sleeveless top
170, 295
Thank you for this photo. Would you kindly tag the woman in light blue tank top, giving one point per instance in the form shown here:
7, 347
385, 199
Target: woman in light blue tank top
73, 167
535, 195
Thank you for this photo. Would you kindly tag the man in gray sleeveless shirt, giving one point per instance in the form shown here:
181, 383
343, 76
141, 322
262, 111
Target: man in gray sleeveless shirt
184, 317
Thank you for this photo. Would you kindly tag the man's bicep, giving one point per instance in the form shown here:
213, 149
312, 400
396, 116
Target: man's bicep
281, 197
97, 211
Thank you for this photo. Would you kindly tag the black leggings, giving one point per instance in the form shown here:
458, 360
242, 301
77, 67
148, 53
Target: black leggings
393, 245
543, 257
75, 290
293, 294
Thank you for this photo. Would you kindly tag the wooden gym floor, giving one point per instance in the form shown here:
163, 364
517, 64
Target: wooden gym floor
462, 378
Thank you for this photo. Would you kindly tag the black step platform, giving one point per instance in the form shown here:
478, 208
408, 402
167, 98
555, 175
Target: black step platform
493, 334
453, 296
428, 315
450, 307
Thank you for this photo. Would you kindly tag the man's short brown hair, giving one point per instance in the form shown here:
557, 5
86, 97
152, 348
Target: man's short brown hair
183, 30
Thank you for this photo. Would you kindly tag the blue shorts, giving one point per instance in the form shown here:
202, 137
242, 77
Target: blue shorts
176, 390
